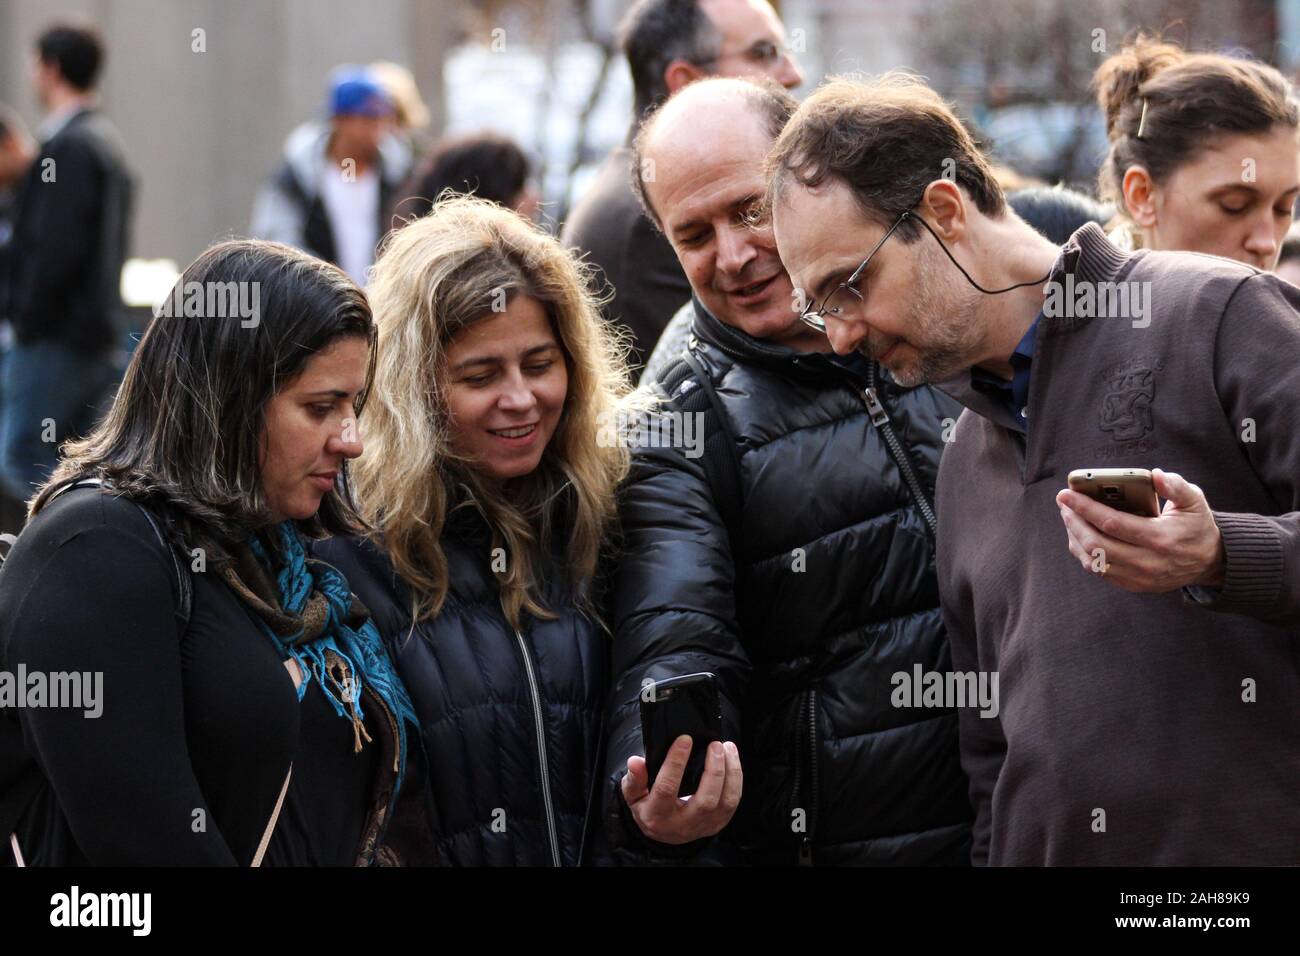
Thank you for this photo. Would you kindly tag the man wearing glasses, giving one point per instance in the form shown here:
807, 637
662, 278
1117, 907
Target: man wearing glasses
1137, 726
807, 586
669, 43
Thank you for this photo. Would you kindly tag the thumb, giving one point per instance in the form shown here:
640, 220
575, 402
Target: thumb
635, 782
1171, 486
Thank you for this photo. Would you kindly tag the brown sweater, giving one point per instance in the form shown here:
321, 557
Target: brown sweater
1132, 704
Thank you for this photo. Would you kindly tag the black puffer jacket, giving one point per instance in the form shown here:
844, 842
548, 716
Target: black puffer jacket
500, 712
836, 592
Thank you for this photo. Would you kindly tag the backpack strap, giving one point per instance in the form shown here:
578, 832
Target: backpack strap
184, 587
691, 391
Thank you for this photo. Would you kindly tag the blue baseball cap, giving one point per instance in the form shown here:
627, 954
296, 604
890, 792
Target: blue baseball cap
356, 91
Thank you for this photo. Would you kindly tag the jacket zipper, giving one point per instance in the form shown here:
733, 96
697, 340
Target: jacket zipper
880, 418
806, 845
541, 751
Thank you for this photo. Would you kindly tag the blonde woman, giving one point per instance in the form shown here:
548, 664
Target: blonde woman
492, 499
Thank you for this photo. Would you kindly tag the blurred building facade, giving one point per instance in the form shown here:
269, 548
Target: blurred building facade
204, 127
205, 115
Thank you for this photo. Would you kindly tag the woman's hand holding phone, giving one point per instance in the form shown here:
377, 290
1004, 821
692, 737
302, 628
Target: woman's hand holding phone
667, 818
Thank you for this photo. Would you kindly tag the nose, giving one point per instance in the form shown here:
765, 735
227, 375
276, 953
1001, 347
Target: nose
516, 395
347, 442
735, 249
1262, 240
788, 73
844, 336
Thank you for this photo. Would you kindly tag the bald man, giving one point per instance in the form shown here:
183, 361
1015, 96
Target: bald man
797, 567
669, 44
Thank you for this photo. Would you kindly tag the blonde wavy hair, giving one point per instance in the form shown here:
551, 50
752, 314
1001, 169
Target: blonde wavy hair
435, 276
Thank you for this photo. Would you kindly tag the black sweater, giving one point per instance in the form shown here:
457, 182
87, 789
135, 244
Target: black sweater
74, 232
185, 762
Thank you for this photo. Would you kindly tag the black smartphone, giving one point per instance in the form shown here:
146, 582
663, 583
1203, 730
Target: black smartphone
676, 706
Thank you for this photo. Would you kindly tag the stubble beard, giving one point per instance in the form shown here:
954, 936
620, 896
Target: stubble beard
945, 321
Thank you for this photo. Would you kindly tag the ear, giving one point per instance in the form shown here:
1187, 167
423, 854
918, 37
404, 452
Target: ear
1140, 196
679, 73
944, 206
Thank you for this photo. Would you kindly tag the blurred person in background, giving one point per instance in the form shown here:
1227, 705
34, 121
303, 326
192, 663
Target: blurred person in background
332, 194
487, 165
1204, 154
1056, 212
668, 43
17, 150
70, 238
411, 116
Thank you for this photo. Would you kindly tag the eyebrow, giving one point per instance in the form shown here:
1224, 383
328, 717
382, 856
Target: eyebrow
1234, 188
818, 290
332, 392
496, 359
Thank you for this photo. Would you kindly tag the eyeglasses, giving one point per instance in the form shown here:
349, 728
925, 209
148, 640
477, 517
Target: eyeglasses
816, 318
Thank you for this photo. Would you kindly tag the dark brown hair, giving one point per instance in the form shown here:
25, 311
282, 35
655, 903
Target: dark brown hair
1189, 99
887, 139
186, 430
487, 165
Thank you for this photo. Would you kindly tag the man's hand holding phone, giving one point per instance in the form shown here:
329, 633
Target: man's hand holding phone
1180, 547
667, 818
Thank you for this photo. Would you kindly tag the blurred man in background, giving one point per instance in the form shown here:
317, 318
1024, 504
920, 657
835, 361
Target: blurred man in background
668, 44
17, 150
332, 193
70, 238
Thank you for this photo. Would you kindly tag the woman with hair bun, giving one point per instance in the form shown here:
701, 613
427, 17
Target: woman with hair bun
1204, 154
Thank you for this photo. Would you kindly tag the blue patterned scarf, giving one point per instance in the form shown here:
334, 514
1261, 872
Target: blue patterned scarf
328, 632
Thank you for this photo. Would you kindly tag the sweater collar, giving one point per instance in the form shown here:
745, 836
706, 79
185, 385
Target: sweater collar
1090, 257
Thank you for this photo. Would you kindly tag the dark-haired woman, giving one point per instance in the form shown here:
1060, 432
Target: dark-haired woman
247, 710
1204, 154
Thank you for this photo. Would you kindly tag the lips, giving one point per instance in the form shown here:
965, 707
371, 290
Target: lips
324, 480
521, 431
753, 289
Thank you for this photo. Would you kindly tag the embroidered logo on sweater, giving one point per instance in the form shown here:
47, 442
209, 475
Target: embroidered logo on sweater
1126, 405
